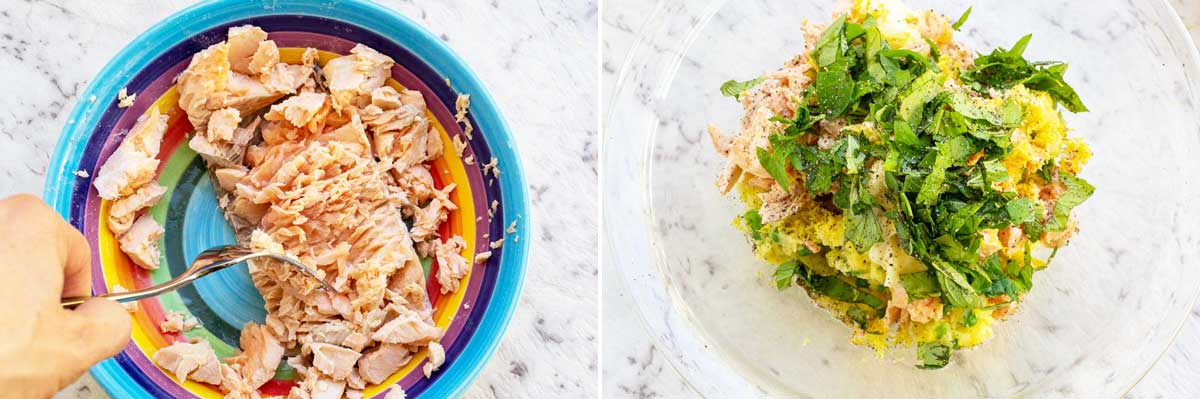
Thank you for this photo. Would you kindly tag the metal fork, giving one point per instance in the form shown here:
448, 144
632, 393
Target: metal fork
209, 261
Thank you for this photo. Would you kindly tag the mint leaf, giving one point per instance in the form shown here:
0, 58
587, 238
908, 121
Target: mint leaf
1026, 213
961, 296
1078, 190
842, 291
785, 274
834, 88
854, 31
832, 43
1050, 80
863, 229
1021, 269
933, 355
1012, 113
754, 223
1002, 286
1003, 69
955, 150
961, 103
735, 88
1047, 171
776, 164
1020, 210
835, 91
1019, 48
994, 171
954, 250
802, 121
962, 19
991, 266
934, 53
920, 285
858, 315
950, 152
905, 54
873, 43
854, 158
969, 319
958, 220
904, 134
922, 90
955, 286
820, 166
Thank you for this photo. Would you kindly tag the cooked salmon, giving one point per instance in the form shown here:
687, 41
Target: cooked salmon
328, 174
194, 361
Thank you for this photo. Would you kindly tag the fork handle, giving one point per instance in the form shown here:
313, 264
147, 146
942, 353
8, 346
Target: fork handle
171, 285
231, 256
72, 302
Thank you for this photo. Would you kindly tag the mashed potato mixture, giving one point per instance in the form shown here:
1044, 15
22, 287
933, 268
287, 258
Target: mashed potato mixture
903, 181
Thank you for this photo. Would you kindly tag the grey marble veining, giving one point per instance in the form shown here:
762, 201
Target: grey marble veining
537, 58
635, 368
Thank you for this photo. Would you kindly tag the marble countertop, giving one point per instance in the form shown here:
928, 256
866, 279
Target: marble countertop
538, 60
634, 368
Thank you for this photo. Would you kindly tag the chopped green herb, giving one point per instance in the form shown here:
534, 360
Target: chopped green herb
1003, 69
969, 318
835, 91
859, 316
863, 229
959, 295
837, 289
754, 223
923, 89
904, 134
735, 88
920, 285
949, 153
820, 167
933, 355
962, 19
1078, 190
1012, 113
776, 164
785, 274
962, 104
1021, 210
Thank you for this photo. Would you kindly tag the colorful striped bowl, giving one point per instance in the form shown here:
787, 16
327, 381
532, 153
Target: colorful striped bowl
474, 317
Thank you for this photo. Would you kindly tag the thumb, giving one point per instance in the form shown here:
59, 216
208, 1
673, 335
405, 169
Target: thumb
102, 326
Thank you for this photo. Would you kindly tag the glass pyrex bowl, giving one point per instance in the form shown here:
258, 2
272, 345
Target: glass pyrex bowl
1097, 319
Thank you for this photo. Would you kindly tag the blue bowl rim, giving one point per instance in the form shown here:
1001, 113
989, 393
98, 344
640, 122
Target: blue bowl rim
182, 24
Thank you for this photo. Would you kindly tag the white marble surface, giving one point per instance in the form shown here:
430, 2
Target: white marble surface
537, 58
634, 368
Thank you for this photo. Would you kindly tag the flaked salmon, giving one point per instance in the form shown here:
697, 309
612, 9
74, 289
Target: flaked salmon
328, 174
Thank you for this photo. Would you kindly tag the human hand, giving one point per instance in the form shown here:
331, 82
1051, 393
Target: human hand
44, 347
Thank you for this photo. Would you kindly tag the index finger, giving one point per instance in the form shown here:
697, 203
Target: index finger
73, 250
77, 268
47, 251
